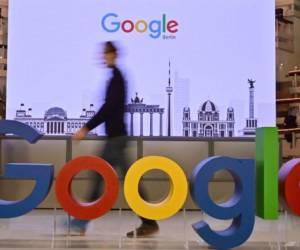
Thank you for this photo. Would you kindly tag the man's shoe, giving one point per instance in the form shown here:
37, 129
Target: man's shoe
77, 231
75, 228
144, 230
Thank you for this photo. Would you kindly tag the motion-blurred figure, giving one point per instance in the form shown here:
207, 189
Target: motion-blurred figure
290, 121
112, 114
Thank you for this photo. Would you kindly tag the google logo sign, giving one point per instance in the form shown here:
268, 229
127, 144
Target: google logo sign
111, 23
257, 184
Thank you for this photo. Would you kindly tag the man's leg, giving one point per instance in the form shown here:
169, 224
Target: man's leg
148, 227
112, 153
95, 191
96, 188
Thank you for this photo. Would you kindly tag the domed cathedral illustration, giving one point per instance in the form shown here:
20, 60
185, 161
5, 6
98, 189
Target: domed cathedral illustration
55, 120
208, 123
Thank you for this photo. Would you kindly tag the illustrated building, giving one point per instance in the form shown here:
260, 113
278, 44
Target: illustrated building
251, 122
181, 99
208, 123
55, 120
169, 90
137, 106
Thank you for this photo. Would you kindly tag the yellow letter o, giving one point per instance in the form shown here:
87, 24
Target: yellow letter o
138, 28
174, 200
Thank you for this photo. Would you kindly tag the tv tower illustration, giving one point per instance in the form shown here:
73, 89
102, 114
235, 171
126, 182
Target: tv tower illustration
169, 90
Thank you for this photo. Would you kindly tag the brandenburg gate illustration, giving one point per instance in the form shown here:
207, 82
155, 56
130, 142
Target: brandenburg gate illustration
137, 106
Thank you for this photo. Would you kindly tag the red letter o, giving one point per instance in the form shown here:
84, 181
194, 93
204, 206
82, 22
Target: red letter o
90, 210
131, 26
289, 179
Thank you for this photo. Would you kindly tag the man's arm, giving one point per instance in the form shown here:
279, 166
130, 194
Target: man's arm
114, 94
111, 101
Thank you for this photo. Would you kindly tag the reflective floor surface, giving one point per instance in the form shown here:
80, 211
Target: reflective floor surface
46, 229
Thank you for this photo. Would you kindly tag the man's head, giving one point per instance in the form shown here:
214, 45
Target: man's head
110, 54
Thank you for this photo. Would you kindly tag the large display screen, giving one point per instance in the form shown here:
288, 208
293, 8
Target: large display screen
202, 68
